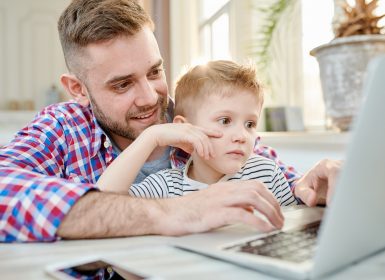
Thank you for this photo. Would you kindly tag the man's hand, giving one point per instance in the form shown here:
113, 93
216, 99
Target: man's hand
221, 204
317, 185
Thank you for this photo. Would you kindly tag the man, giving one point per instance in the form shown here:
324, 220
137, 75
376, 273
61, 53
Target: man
48, 172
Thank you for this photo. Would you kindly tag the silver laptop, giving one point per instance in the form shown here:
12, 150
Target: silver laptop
352, 227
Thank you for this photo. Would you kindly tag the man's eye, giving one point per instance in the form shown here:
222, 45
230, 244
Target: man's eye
156, 73
224, 121
250, 124
123, 86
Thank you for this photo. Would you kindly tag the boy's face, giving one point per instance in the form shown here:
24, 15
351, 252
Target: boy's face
236, 116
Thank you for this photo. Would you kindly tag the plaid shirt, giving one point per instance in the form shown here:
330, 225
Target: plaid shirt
53, 162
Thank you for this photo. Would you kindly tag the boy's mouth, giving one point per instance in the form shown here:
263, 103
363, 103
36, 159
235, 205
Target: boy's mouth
237, 153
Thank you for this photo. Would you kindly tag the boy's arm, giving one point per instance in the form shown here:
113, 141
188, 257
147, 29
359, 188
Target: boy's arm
285, 196
121, 173
157, 185
291, 174
316, 186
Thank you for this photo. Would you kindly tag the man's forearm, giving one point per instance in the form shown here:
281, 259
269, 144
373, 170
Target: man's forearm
101, 215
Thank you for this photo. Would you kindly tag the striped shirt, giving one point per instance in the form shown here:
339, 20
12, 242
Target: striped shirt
52, 162
175, 182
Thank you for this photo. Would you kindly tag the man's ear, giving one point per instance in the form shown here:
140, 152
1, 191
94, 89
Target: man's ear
75, 88
179, 119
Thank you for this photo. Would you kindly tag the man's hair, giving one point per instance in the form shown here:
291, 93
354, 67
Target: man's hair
91, 21
216, 77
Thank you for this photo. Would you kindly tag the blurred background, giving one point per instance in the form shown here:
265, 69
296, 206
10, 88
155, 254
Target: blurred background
188, 31
276, 35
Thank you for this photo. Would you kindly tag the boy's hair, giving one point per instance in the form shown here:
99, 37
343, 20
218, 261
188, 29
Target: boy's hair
91, 21
215, 77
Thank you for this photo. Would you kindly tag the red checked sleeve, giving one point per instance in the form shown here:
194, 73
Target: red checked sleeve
43, 172
33, 205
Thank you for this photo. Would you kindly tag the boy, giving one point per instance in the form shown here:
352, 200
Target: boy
225, 100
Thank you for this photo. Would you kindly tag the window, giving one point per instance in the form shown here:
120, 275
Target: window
223, 29
317, 30
203, 30
214, 30
305, 91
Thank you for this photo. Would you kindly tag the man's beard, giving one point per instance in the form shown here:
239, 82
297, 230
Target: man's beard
125, 130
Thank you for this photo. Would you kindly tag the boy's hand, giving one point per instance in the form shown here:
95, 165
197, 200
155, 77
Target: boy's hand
185, 136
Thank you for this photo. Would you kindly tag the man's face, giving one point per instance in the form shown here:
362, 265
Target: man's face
126, 84
236, 116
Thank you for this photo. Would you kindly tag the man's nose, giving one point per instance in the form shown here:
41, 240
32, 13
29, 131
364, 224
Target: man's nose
146, 94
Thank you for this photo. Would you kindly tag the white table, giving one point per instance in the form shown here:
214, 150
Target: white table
149, 255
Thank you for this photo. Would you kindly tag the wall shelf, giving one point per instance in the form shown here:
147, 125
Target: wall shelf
306, 138
303, 150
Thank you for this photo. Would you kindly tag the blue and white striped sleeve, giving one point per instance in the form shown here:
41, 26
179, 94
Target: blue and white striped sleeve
281, 188
153, 186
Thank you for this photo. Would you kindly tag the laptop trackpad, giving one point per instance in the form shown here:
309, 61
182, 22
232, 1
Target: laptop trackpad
301, 215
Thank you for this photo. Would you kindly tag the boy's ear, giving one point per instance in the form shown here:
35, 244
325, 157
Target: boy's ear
74, 87
179, 119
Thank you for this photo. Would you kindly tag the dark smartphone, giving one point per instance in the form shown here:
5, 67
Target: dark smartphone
95, 270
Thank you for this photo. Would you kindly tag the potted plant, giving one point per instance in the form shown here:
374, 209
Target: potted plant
343, 61
274, 48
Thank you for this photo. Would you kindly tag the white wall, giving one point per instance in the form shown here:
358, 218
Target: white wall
30, 52
303, 150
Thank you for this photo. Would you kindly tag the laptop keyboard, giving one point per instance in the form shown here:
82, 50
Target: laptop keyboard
296, 245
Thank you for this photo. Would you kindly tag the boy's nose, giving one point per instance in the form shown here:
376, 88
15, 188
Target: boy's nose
239, 135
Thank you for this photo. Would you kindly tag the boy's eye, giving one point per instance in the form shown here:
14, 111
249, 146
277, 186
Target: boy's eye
250, 124
224, 121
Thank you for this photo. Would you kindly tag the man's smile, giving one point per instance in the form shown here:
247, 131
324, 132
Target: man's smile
145, 116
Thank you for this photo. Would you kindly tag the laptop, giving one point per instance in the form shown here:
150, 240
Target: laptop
347, 231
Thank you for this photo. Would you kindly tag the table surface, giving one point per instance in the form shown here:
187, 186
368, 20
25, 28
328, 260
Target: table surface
151, 255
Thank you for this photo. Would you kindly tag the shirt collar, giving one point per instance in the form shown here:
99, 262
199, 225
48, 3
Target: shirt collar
187, 180
99, 137
198, 184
